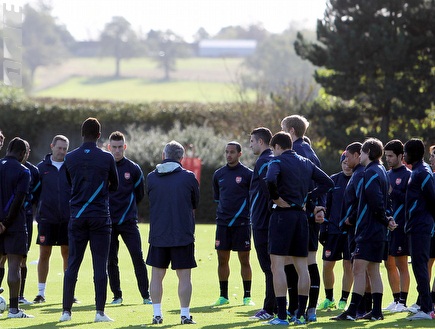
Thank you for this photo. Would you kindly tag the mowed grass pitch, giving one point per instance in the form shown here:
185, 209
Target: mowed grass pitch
195, 80
133, 314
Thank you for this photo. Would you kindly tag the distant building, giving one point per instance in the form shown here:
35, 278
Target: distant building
226, 48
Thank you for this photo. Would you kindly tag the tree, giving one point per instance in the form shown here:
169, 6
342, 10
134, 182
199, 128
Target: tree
119, 40
43, 39
379, 53
275, 69
253, 31
165, 48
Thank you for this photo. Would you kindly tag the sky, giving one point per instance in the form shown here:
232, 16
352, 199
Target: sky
85, 19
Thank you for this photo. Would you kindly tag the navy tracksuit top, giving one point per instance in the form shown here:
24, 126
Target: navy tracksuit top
420, 200
334, 203
14, 178
52, 193
93, 173
231, 192
296, 175
351, 197
34, 182
131, 190
259, 194
374, 205
398, 179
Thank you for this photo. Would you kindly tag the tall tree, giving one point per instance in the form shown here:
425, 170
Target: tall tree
43, 39
379, 53
166, 47
119, 40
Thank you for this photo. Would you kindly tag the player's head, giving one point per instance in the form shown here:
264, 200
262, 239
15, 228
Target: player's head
17, 148
296, 124
353, 151
281, 142
260, 139
91, 129
413, 151
371, 150
173, 151
117, 145
233, 152
59, 147
2, 139
394, 153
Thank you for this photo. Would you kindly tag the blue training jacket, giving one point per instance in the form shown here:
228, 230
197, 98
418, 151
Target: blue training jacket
398, 179
334, 203
173, 193
290, 176
374, 205
351, 198
231, 192
52, 193
259, 194
420, 200
93, 173
123, 202
34, 182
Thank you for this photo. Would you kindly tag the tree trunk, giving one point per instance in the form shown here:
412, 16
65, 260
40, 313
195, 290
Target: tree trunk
118, 64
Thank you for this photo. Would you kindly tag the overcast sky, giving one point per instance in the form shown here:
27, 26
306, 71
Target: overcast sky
85, 19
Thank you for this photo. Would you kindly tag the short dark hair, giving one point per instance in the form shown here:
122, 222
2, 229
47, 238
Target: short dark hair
91, 128
117, 136
373, 147
237, 144
354, 147
60, 138
262, 133
414, 149
282, 139
394, 145
299, 123
17, 145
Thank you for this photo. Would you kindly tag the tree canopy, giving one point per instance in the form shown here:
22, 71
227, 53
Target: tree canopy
379, 53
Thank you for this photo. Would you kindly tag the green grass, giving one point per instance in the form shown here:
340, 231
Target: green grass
133, 314
194, 80
140, 90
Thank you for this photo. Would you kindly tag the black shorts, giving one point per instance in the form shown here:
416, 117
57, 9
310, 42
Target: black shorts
235, 238
288, 233
313, 243
371, 251
29, 225
398, 245
52, 234
336, 248
13, 243
432, 247
182, 257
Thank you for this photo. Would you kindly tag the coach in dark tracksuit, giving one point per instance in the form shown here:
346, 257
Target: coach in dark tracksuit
123, 212
260, 213
93, 174
419, 226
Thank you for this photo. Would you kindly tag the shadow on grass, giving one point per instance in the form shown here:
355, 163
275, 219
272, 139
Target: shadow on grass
102, 79
57, 308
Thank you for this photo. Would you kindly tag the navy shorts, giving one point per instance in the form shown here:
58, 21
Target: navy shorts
398, 244
13, 243
288, 233
371, 251
182, 257
313, 243
235, 238
29, 225
52, 234
432, 247
336, 248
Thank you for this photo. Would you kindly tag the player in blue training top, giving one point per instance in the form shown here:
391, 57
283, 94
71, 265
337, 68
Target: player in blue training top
419, 225
93, 174
260, 213
289, 178
296, 126
123, 212
334, 240
397, 262
231, 185
373, 222
14, 186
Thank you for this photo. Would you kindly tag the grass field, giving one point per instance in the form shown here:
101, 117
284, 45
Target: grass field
133, 314
195, 79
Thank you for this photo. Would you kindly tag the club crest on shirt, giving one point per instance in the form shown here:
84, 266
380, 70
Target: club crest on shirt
217, 243
238, 179
398, 180
327, 253
42, 238
127, 175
